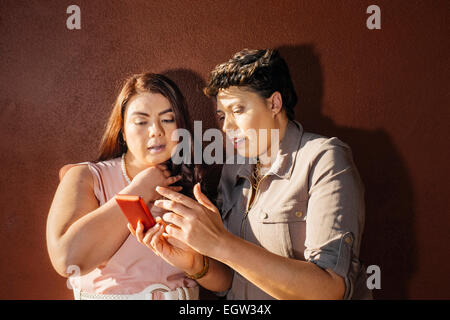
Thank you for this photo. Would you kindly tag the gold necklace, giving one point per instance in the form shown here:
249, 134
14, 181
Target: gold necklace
256, 177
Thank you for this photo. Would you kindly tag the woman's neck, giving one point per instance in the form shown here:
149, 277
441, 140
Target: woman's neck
269, 157
132, 166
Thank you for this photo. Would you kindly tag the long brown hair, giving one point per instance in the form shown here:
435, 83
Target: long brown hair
113, 145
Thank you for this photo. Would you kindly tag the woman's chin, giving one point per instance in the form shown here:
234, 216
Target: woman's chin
246, 151
153, 160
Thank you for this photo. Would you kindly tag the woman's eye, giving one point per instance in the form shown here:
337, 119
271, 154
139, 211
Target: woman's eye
220, 116
140, 123
238, 110
168, 120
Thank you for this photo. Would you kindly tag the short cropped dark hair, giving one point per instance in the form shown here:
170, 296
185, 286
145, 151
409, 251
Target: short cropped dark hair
263, 71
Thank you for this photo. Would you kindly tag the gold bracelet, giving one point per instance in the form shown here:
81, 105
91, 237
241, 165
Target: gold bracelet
201, 273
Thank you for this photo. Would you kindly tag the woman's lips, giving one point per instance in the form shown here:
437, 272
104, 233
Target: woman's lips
237, 142
157, 148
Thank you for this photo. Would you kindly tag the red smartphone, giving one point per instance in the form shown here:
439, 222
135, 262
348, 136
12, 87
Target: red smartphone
135, 209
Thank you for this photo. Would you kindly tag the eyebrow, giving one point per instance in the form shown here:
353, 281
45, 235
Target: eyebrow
165, 111
139, 113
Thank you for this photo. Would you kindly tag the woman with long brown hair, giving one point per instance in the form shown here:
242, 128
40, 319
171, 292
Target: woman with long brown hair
86, 230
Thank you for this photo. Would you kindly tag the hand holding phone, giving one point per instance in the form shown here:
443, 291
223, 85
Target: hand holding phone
135, 209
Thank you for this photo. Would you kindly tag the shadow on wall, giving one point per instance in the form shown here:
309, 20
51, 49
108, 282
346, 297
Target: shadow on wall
191, 85
200, 108
388, 239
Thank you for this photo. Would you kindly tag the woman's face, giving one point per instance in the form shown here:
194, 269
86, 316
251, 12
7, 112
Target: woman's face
241, 114
149, 122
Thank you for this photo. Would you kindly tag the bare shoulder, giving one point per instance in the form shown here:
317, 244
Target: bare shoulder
76, 188
74, 196
76, 174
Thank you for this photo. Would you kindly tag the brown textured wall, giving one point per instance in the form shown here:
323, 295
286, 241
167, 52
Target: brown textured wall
385, 92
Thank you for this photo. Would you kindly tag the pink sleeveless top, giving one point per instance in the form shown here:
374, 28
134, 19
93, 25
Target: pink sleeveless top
134, 266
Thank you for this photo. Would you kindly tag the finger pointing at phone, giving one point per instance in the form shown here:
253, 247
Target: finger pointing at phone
181, 257
196, 223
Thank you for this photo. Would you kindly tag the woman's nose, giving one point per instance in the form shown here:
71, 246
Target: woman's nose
155, 130
229, 124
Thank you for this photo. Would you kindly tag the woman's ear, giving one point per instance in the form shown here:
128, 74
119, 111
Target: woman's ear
276, 103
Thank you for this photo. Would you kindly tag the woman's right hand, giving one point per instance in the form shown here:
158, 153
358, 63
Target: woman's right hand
175, 253
145, 182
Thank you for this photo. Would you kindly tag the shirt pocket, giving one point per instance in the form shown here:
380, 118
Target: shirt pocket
282, 229
229, 219
226, 209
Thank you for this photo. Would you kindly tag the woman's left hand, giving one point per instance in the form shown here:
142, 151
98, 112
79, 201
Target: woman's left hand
175, 253
196, 223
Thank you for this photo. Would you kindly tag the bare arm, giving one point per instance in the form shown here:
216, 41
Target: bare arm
280, 277
218, 278
82, 233
79, 232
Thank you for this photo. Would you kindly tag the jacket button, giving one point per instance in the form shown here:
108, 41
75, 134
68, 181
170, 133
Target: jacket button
265, 215
348, 239
299, 214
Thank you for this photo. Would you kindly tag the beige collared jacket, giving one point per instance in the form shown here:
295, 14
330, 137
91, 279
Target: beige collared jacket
309, 206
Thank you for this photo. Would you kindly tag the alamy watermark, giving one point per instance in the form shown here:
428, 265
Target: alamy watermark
374, 279
74, 278
374, 20
250, 145
73, 22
